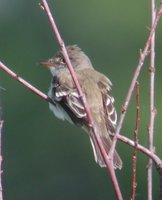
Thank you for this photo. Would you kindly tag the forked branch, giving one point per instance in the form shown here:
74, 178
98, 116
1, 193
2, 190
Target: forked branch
143, 55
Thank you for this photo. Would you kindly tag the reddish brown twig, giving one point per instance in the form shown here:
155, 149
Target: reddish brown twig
46, 98
1, 125
144, 150
143, 55
134, 184
108, 161
152, 106
25, 83
122, 138
126, 140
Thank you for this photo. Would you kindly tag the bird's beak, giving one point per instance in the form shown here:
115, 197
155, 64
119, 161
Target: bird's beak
45, 63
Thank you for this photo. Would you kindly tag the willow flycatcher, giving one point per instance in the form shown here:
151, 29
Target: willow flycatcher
96, 88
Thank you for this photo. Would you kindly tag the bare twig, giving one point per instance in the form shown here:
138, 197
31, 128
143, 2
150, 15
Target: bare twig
152, 106
141, 148
154, 157
46, 98
108, 161
143, 55
45, 7
134, 184
25, 83
126, 140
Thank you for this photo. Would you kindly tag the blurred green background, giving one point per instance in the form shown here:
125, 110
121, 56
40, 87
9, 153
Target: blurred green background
44, 158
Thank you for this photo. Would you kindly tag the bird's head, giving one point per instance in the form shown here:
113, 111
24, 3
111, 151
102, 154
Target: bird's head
78, 58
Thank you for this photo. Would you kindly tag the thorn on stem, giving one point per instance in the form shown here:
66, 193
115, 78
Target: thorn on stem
155, 111
154, 149
41, 6
149, 164
151, 69
123, 109
141, 53
148, 52
90, 125
148, 28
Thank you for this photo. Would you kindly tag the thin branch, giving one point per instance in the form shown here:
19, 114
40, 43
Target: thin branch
134, 184
126, 140
143, 55
108, 161
144, 150
49, 100
152, 106
60, 41
25, 83
141, 148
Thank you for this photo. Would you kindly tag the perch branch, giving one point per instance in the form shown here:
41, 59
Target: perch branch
126, 140
141, 148
108, 161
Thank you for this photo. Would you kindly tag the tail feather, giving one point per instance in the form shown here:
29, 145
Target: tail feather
106, 142
97, 154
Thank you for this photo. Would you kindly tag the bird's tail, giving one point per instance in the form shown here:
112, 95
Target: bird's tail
106, 142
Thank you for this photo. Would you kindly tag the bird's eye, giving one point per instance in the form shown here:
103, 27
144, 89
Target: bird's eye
62, 61
50, 60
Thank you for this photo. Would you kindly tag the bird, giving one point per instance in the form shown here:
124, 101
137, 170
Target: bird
68, 105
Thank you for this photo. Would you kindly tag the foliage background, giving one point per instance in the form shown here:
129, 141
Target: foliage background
44, 158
